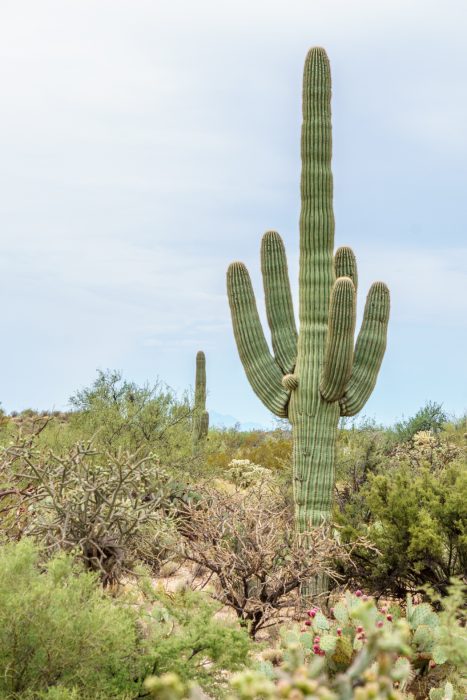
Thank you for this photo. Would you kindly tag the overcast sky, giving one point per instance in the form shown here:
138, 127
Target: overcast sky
146, 144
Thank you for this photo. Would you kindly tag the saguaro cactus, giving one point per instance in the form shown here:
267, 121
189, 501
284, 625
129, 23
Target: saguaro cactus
315, 375
200, 415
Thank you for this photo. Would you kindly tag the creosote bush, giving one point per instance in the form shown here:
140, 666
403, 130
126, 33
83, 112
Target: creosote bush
57, 628
431, 418
63, 637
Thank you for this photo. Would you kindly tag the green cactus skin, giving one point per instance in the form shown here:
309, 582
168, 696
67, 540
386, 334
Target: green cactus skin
315, 375
200, 415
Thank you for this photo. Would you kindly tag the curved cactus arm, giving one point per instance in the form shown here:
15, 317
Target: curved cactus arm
262, 370
345, 264
278, 299
369, 350
338, 357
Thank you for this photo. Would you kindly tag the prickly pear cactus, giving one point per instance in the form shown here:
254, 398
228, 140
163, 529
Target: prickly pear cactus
200, 415
316, 374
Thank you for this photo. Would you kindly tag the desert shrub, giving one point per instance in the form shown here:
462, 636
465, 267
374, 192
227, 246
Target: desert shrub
455, 431
63, 638
106, 507
57, 628
245, 539
414, 511
156, 543
362, 449
57, 692
191, 642
430, 418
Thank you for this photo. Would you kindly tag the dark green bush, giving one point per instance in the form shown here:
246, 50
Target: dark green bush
412, 506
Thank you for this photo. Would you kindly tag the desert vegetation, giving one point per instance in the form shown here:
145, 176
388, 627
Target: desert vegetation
133, 565
144, 554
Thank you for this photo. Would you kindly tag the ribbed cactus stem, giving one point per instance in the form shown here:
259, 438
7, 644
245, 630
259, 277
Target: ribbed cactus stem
317, 375
261, 368
369, 350
200, 415
345, 264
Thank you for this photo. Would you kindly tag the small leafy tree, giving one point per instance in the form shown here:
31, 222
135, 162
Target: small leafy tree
117, 413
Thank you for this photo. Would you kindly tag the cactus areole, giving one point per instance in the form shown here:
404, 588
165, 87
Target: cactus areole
316, 374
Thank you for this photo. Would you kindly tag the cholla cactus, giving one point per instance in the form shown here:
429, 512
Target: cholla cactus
200, 415
245, 473
316, 375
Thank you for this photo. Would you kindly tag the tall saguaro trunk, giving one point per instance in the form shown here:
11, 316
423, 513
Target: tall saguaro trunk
316, 375
314, 420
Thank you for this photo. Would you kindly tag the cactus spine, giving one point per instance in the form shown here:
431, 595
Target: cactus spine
315, 375
200, 415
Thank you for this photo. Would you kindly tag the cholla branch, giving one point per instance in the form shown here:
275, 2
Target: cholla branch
95, 503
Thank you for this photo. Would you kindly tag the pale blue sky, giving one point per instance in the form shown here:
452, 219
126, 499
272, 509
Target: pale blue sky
146, 144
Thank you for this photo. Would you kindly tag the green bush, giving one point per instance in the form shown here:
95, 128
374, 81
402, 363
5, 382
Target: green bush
63, 638
412, 506
58, 629
191, 642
